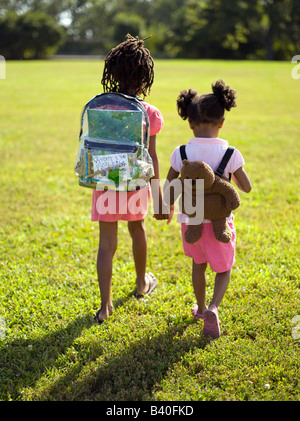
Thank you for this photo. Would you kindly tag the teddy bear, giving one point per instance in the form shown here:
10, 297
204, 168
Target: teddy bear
220, 198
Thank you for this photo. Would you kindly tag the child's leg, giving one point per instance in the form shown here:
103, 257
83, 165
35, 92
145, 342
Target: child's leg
107, 247
199, 284
221, 284
211, 319
139, 248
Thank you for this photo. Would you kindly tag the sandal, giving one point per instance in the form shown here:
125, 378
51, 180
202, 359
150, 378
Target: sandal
197, 316
96, 317
152, 285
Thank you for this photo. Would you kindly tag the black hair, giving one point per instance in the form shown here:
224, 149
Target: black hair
207, 108
129, 68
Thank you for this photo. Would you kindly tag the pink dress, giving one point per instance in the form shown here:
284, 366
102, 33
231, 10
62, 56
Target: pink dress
113, 206
220, 256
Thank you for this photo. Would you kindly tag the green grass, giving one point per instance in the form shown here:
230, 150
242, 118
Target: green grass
149, 349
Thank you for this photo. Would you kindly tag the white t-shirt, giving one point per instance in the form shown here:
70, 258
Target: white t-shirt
211, 151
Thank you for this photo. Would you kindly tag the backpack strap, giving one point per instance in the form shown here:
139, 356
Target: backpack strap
182, 152
224, 162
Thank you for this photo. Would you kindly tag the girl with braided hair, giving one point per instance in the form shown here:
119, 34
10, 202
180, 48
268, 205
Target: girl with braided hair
205, 114
128, 69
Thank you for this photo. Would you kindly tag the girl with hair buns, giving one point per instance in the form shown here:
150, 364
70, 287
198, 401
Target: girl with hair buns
128, 69
205, 114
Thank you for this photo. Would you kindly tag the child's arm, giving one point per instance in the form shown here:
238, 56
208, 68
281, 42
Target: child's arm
154, 157
172, 175
242, 180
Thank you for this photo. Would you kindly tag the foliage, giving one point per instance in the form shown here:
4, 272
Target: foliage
124, 23
204, 29
236, 29
29, 35
150, 349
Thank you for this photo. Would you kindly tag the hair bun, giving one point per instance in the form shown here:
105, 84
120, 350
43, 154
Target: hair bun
184, 99
225, 93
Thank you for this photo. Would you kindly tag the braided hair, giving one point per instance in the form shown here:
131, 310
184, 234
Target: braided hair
207, 108
128, 68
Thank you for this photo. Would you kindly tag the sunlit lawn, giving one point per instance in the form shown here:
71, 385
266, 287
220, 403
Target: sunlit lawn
150, 349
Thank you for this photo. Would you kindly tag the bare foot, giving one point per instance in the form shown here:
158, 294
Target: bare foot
198, 312
211, 326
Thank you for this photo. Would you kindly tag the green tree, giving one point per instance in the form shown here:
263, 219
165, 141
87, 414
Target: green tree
211, 28
237, 29
91, 26
52, 8
280, 28
30, 35
124, 23
179, 28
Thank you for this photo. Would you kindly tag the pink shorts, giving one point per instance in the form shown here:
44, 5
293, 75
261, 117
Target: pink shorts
220, 256
111, 206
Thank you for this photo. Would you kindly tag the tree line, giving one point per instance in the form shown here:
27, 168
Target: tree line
235, 29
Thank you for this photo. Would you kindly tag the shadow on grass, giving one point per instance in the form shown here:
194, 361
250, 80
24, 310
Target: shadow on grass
24, 361
130, 375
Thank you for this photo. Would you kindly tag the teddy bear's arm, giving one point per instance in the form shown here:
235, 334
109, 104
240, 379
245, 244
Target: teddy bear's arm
228, 192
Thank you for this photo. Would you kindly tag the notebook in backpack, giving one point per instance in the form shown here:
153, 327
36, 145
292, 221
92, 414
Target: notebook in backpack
113, 144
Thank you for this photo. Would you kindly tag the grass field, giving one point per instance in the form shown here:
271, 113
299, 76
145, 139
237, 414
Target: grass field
151, 349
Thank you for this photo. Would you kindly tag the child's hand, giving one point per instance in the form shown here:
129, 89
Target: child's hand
167, 214
160, 216
171, 213
163, 210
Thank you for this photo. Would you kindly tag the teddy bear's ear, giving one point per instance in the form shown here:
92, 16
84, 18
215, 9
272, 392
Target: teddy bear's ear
184, 162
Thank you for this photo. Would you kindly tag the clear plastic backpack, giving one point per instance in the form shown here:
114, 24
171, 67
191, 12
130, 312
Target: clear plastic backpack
113, 144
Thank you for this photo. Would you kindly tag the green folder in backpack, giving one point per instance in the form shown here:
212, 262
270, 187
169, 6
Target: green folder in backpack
113, 144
